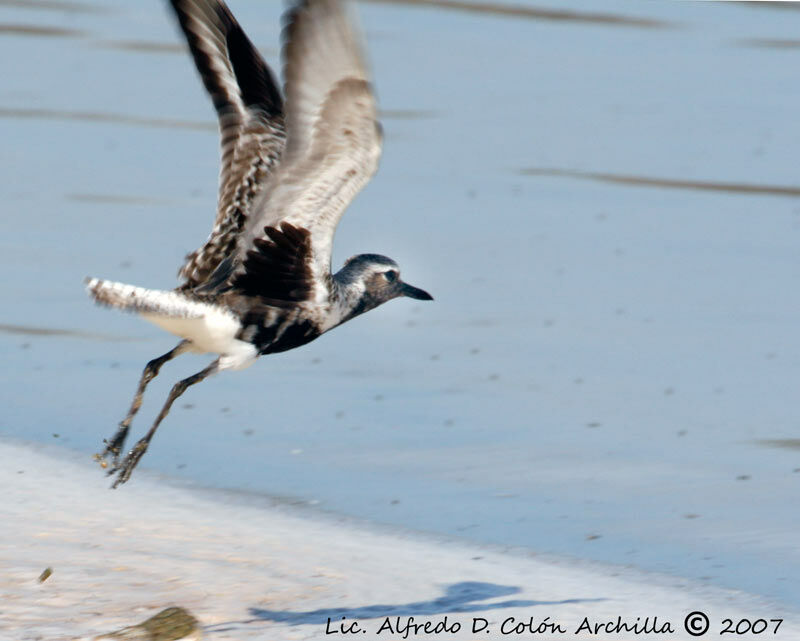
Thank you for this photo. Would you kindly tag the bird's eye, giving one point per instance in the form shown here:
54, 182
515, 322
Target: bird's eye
391, 276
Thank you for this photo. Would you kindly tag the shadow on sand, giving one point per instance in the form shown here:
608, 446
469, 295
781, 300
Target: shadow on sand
466, 596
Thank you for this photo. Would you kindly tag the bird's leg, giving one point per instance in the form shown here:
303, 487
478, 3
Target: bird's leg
114, 446
132, 459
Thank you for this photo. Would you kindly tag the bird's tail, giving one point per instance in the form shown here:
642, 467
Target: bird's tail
143, 301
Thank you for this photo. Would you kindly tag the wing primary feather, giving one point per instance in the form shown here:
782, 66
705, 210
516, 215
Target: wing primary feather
256, 82
250, 110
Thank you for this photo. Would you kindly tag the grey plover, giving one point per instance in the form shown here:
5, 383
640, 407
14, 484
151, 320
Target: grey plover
262, 281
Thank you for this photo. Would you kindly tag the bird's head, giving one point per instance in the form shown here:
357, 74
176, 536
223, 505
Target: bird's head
371, 280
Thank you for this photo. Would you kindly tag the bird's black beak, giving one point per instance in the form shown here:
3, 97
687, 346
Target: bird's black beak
414, 292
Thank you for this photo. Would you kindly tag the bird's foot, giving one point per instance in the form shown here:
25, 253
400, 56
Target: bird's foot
112, 449
101, 457
124, 468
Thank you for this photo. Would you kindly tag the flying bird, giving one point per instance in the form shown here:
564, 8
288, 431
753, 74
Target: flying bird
262, 281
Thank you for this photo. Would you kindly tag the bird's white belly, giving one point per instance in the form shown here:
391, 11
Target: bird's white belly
214, 332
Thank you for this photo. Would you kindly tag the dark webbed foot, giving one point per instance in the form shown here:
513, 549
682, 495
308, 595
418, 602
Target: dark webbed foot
124, 468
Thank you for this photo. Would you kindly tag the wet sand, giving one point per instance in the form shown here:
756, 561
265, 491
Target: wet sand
250, 568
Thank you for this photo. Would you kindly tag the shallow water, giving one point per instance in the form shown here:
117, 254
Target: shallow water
602, 197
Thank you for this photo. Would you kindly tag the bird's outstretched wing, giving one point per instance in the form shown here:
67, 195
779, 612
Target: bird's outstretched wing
251, 123
332, 149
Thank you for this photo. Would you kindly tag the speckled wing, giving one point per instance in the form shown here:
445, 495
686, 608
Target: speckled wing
333, 140
250, 109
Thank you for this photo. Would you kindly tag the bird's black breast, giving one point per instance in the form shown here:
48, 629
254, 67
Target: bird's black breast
279, 338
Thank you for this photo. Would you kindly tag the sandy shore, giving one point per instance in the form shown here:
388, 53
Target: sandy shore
254, 572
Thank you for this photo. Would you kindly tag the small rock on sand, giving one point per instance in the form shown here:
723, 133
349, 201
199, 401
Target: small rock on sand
168, 625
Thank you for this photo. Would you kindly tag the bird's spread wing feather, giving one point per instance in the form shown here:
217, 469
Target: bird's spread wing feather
333, 142
251, 123
282, 256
